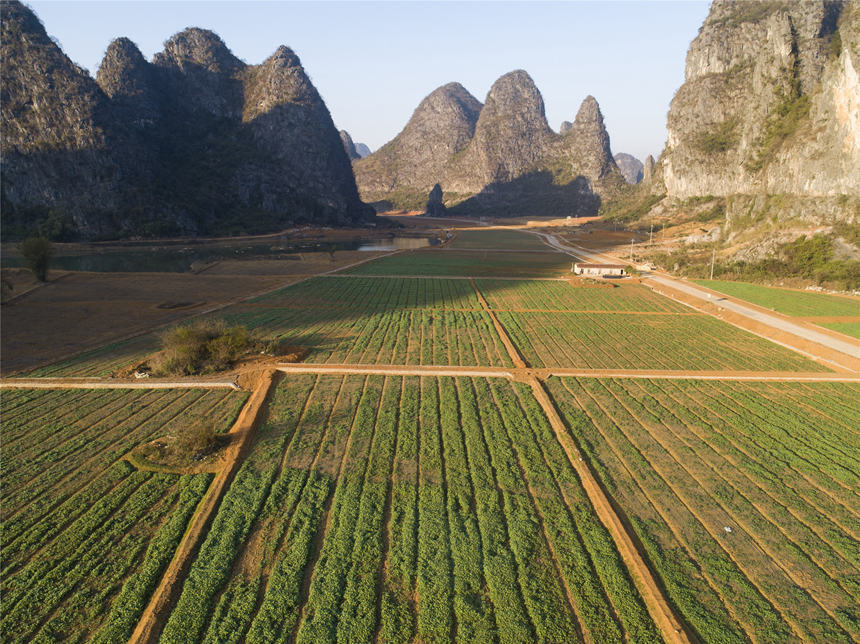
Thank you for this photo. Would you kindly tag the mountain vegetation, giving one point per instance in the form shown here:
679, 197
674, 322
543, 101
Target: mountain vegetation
194, 142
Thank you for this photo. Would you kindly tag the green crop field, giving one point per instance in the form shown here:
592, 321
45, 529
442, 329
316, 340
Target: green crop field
744, 495
506, 239
796, 303
382, 508
469, 263
86, 536
407, 509
848, 328
634, 341
574, 296
373, 294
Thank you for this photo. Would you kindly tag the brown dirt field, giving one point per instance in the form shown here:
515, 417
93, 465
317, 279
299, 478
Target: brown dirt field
303, 264
78, 311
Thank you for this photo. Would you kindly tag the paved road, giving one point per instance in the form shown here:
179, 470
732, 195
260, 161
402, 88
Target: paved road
846, 347
843, 346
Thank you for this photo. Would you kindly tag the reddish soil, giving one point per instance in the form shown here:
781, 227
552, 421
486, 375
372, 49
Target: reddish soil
154, 617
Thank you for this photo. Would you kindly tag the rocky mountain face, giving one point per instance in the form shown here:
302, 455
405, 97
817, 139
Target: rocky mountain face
349, 146
442, 126
770, 106
353, 150
631, 168
500, 153
195, 142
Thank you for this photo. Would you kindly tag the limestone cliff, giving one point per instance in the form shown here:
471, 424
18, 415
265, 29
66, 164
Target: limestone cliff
196, 142
442, 125
500, 154
770, 104
631, 168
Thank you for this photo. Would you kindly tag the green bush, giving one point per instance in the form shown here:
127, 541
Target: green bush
721, 138
201, 347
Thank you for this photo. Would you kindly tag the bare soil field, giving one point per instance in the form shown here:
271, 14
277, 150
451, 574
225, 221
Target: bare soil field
76, 311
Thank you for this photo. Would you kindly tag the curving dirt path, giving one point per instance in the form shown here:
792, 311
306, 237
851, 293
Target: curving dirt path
165, 595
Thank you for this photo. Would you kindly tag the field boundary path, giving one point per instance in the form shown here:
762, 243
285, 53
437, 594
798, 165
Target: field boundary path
113, 383
821, 345
152, 620
658, 605
523, 373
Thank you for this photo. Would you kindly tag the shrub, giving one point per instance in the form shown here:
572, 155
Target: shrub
721, 138
201, 347
198, 437
36, 252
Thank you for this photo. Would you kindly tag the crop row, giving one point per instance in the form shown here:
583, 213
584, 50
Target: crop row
395, 337
402, 509
86, 537
374, 294
572, 296
744, 496
609, 340
475, 263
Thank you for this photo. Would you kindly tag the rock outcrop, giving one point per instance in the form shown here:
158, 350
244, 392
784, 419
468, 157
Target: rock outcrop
441, 126
435, 206
501, 153
349, 146
770, 104
196, 142
631, 168
353, 150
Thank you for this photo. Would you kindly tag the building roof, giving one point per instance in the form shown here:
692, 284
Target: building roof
600, 265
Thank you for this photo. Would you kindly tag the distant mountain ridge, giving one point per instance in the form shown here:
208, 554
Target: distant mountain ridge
195, 142
501, 154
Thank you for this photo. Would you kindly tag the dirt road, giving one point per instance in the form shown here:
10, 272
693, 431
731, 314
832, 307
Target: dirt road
821, 345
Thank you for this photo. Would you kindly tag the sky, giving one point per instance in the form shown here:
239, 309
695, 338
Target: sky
373, 62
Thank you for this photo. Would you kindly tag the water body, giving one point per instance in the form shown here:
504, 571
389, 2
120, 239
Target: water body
182, 259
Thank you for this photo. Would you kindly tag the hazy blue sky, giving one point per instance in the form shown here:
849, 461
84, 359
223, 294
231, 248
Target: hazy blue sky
373, 62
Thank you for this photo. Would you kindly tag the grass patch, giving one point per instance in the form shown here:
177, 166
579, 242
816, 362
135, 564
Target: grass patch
787, 301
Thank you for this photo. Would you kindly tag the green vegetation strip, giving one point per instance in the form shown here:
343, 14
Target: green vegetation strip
468, 263
86, 537
406, 508
744, 496
788, 301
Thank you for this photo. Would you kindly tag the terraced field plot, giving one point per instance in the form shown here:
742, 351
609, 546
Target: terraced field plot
744, 495
574, 296
407, 508
625, 340
808, 306
86, 536
507, 239
475, 263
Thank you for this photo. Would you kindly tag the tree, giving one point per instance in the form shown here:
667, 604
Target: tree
36, 252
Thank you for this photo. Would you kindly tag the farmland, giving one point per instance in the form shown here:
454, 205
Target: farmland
86, 535
776, 464
633, 341
406, 508
808, 306
469, 263
381, 507
504, 239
